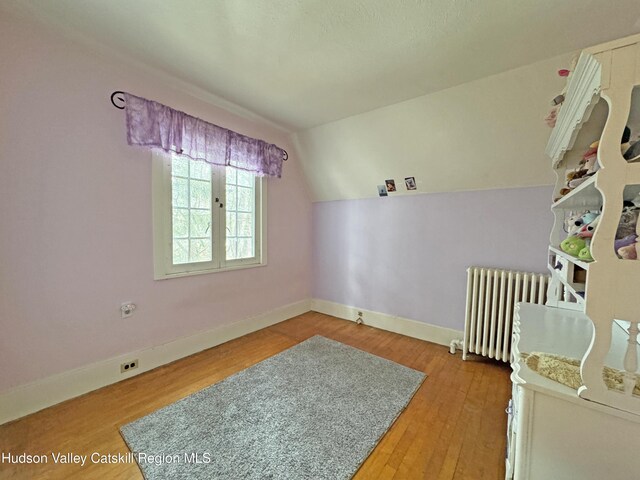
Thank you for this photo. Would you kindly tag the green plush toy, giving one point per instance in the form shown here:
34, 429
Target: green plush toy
585, 254
573, 245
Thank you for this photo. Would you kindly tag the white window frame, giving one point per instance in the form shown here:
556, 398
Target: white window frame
163, 228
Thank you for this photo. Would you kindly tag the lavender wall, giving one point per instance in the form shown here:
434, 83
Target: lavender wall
407, 255
75, 217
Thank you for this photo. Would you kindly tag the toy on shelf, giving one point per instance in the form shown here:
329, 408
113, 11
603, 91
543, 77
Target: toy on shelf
552, 117
628, 222
626, 244
587, 230
573, 245
630, 252
575, 222
632, 153
558, 100
589, 164
630, 150
585, 253
581, 229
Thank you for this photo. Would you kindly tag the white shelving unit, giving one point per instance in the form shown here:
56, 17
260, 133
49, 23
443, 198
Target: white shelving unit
593, 308
553, 433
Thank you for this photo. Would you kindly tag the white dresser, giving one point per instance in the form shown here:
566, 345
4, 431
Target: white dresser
553, 434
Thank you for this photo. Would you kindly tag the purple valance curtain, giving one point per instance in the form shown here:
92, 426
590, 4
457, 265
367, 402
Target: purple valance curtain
154, 125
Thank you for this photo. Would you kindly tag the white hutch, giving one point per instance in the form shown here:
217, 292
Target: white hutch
556, 432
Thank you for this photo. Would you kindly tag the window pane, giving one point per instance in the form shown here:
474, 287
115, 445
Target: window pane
231, 224
192, 214
200, 250
200, 194
180, 251
245, 178
245, 199
245, 225
180, 222
240, 216
245, 248
231, 197
200, 170
231, 175
180, 166
231, 248
180, 192
200, 223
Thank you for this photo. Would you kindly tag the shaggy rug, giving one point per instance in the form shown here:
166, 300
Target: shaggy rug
314, 411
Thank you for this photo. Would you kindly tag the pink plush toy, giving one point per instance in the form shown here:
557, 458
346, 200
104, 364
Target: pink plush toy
587, 231
630, 252
550, 119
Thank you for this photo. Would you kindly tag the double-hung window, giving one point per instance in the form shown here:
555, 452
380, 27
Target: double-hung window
205, 218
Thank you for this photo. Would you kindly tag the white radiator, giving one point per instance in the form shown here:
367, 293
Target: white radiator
491, 298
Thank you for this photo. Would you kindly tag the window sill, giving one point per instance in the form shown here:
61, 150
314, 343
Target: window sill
167, 276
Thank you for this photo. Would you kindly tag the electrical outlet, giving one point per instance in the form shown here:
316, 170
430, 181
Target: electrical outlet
127, 309
130, 365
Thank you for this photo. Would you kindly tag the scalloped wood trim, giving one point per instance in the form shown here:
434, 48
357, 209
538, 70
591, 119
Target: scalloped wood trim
582, 95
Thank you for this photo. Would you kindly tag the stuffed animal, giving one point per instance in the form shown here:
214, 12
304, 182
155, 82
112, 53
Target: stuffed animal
633, 152
625, 242
570, 223
630, 252
585, 253
628, 222
575, 178
551, 119
587, 230
589, 164
572, 245
577, 221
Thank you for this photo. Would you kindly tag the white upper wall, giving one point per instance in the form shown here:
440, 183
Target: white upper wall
489, 133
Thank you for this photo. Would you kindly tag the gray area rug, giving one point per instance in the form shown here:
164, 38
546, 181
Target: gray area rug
314, 411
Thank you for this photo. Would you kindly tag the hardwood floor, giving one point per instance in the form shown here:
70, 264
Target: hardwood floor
454, 427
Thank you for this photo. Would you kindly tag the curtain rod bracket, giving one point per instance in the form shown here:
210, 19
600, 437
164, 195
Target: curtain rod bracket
121, 99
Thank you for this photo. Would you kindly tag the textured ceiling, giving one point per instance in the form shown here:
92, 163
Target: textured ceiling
302, 63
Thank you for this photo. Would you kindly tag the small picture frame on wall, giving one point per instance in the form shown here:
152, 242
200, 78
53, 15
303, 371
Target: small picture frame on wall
382, 190
410, 182
391, 185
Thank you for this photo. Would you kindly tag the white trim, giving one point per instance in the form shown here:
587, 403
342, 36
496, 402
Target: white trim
29, 398
163, 267
391, 323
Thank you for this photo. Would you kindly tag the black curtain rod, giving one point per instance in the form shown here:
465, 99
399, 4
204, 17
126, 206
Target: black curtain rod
120, 98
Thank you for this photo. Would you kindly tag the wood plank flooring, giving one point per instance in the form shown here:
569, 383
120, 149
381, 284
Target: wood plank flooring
454, 427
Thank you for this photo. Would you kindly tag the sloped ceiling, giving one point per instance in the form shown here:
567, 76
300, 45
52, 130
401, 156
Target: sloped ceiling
484, 134
304, 63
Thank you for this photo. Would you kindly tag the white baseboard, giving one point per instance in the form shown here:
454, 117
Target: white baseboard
391, 323
29, 398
